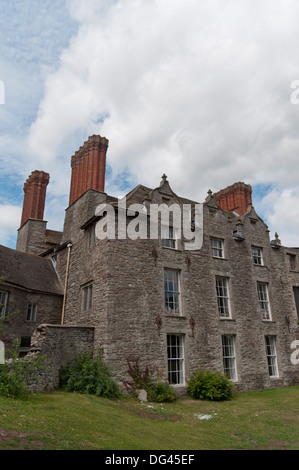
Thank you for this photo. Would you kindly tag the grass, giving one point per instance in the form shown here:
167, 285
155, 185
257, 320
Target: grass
262, 420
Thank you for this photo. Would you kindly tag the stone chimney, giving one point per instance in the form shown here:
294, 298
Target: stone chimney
88, 167
235, 198
34, 196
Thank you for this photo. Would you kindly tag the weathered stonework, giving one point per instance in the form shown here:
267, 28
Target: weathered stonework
113, 290
59, 345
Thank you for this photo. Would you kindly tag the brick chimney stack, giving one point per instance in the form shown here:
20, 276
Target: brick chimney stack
34, 196
88, 167
235, 198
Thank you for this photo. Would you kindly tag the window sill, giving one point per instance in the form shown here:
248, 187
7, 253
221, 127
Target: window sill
227, 318
220, 257
171, 249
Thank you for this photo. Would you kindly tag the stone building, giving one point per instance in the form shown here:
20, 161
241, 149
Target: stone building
229, 305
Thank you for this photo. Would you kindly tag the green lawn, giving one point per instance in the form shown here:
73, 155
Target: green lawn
60, 421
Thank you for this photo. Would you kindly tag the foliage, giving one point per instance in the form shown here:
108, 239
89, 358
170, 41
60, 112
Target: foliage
208, 385
17, 373
88, 375
161, 392
157, 390
140, 379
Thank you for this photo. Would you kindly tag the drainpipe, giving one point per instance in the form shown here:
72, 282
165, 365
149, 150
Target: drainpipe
69, 246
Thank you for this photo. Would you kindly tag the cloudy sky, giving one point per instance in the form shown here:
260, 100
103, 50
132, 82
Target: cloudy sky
198, 89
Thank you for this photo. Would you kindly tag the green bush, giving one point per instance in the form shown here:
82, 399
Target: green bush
161, 392
87, 374
17, 373
157, 390
207, 385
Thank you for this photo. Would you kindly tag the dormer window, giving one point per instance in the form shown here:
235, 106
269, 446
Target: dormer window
257, 255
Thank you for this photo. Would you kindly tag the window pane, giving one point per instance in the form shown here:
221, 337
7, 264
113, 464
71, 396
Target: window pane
171, 291
264, 301
168, 237
222, 297
256, 255
175, 359
31, 312
271, 355
3, 303
229, 360
217, 248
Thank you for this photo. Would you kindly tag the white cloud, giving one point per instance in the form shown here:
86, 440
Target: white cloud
281, 209
199, 90
12, 216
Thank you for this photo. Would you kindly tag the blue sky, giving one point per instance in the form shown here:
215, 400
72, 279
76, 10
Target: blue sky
199, 91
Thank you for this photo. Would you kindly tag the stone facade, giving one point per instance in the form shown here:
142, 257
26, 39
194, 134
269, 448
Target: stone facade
228, 306
58, 345
19, 324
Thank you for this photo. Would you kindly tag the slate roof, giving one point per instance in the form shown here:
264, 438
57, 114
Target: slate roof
28, 271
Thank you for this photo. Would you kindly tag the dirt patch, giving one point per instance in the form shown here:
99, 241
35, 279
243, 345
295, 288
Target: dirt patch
19, 441
141, 413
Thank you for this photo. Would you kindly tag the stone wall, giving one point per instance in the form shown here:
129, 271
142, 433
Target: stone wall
48, 311
128, 313
59, 345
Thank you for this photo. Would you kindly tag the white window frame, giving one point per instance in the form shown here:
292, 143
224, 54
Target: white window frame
217, 247
257, 256
87, 297
264, 301
31, 312
270, 343
3, 303
169, 237
175, 359
223, 298
172, 291
229, 357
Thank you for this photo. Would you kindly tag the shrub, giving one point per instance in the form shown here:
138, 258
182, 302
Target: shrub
17, 373
207, 385
161, 392
140, 379
157, 390
87, 374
